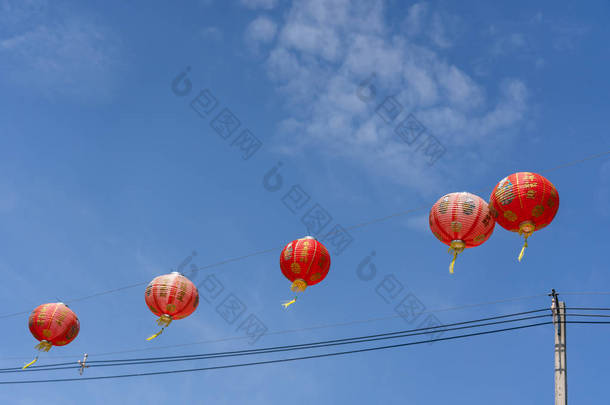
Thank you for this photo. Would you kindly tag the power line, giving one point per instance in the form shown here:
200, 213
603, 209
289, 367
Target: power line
86, 297
327, 343
589, 322
259, 351
575, 162
587, 293
363, 350
588, 309
281, 332
590, 315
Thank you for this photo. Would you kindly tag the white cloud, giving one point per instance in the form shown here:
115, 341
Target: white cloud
14, 12
326, 48
524, 40
509, 43
419, 223
254, 4
436, 26
261, 30
415, 18
212, 33
568, 35
68, 55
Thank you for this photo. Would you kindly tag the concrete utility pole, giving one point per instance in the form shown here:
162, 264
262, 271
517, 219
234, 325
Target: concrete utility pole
561, 366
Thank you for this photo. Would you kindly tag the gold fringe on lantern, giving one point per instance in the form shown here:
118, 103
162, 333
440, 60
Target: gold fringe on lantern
163, 321
43, 346
523, 248
30, 363
457, 247
289, 303
526, 229
299, 285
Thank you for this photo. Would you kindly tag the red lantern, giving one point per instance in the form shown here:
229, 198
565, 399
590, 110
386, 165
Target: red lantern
461, 220
305, 262
525, 203
171, 297
53, 325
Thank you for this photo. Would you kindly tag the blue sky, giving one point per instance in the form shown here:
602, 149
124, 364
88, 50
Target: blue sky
110, 178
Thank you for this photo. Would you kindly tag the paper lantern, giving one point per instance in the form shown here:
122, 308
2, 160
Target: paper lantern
305, 262
171, 297
524, 202
52, 324
461, 221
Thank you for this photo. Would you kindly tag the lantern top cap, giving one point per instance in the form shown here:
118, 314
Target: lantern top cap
176, 272
309, 237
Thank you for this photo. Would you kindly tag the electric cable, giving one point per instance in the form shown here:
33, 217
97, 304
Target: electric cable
362, 350
281, 332
328, 343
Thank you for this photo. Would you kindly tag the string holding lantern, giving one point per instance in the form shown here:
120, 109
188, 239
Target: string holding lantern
461, 220
305, 262
524, 202
171, 297
52, 324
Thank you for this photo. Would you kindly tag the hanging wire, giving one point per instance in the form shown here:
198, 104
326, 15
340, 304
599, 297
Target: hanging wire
588, 309
310, 328
587, 293
338, 342
360, 339
363, 350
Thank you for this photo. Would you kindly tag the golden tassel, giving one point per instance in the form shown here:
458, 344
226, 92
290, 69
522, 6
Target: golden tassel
457, 247
526, 229
155, 335
163, 321
289, 303
30, 363
299, 285
452, 262
523, 248
44, 346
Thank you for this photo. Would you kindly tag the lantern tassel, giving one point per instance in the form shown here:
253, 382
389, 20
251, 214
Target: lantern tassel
30, 363
289, 303
523, 249
298, 286
163, 321
155, 335
43, 346
457, 247
455, 254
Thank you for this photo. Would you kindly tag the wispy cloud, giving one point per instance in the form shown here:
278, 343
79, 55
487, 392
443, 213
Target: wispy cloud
67, 55
438, 27
14, 12
325, 49
419, 223
212, 32
527, 39
261, 30
263, 4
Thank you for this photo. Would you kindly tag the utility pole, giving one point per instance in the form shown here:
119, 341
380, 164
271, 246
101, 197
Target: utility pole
561, 366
